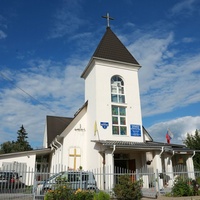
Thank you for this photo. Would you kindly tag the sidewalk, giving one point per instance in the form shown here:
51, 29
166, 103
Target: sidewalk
174, 198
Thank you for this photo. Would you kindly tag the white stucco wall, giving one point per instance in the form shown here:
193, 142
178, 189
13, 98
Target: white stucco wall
98, 94
27, 172
74, 137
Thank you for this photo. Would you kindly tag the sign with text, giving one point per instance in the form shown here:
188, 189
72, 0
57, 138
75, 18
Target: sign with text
135, 130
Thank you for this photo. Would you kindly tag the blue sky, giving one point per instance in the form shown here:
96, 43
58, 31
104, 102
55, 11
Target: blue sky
45, 46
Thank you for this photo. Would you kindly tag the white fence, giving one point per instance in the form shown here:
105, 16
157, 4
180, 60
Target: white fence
29, 184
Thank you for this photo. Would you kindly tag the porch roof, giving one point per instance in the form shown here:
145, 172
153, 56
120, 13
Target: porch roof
150, 145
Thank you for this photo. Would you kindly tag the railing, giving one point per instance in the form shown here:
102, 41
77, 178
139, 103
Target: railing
30, 184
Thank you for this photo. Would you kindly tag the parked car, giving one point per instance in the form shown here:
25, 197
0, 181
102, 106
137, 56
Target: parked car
9, 179
74, 179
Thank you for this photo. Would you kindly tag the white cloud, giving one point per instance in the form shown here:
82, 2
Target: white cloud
167, 75
67, 19
188, 40
2, 35
179, 127
58, 88
185, 6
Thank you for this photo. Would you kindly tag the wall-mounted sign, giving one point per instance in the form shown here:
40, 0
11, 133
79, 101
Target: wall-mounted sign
135, 130
104, 124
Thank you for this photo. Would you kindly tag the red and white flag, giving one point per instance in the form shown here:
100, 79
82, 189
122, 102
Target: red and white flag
169, 136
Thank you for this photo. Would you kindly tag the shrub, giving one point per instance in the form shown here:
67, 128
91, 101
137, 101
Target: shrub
83, 195
60, 193
101, 196
182, 188
66, 193
126, 189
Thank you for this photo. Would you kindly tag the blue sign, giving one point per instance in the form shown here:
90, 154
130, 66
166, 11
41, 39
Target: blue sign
135, 130
104, 124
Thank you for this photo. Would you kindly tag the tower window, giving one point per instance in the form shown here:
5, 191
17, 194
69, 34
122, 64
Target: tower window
117, 90
119, 120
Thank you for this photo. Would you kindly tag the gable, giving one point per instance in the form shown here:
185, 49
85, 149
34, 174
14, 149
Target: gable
147, 136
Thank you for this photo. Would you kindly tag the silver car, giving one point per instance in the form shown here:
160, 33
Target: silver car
74, 179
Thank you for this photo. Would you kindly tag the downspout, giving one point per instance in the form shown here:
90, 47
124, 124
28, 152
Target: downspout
193, 154
113, 163
56, 147
161, 152
57, 141
114, 147
56, 154
60, 150
170, 158
172, 154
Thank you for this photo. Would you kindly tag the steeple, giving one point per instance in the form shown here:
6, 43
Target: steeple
111, 48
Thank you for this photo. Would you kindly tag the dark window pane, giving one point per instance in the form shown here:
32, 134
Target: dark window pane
121, 99
123, 130
115, 120
122, 111
114, 110
115, 130
122, 120
114, 98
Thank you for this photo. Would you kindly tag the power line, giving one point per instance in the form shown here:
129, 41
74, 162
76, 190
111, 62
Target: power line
44, 105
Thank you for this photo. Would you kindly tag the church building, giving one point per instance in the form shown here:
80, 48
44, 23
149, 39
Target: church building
107, 131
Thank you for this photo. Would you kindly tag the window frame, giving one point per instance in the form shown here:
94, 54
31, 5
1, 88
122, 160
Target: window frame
117, 89
119, 125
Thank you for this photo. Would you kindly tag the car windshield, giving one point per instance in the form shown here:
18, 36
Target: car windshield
55, 175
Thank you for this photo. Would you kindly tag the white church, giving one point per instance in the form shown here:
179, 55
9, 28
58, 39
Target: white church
106, 131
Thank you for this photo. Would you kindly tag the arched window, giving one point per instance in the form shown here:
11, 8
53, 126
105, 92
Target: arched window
117, 90
118, 111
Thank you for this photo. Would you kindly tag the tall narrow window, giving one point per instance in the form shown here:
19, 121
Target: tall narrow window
117, 90
119, 120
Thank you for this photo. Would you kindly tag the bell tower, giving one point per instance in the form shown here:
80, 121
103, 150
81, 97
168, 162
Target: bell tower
112, 92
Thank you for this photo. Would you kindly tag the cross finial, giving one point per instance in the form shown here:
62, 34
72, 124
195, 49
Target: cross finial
108, 19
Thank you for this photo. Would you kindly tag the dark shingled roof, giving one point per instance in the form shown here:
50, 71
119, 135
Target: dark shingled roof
111, 48
55, 126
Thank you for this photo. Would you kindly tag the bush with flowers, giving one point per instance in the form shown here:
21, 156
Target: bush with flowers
62, 192
65, 193
83, 195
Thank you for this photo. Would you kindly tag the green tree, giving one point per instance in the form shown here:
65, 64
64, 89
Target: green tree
16, 146
7, 147
193, 142
22, 144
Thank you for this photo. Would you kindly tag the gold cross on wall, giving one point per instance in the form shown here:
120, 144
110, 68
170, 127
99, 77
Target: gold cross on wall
75, 155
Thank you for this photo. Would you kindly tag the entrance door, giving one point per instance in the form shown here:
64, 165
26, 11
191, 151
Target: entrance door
120, 165
132, 168
125, 164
